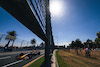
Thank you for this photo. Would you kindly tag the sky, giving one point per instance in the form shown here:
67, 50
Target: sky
75, 19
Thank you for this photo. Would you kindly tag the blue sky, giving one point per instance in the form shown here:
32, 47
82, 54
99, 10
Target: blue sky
9, 23
79, 19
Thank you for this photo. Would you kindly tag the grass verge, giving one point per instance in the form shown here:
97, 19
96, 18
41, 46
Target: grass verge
61, 62
37, 63
74, 60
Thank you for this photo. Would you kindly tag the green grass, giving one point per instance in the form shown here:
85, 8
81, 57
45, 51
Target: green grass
61, 62
37, 63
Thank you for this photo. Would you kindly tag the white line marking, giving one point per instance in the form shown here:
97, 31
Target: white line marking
12, 63
5, 57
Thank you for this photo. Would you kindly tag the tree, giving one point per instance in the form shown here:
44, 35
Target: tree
98, 34
33, 41
11, 33
72, 45
42, 45
89, 43
78, 43
97, 40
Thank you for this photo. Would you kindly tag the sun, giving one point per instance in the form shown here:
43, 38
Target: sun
56, 7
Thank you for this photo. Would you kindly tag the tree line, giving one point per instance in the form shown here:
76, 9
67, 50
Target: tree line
89, 43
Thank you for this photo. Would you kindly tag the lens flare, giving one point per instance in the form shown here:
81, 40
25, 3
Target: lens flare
56, 7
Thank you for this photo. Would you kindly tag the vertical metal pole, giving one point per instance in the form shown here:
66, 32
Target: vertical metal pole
52, 43
47, 47
57, 40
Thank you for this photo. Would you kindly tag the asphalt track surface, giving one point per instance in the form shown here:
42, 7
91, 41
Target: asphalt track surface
7, 59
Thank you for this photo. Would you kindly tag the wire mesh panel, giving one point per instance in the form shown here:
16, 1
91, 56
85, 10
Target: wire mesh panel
38, 8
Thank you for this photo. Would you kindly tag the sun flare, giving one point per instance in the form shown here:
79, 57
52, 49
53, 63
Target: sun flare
56, 7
